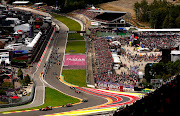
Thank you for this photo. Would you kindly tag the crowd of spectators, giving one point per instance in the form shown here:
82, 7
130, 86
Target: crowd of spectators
103, 55
104, 61
117, 78
140, 57
158, 42
151, 42
90, 14
156, 34
163, 99
95, 30
122, 40
43, 8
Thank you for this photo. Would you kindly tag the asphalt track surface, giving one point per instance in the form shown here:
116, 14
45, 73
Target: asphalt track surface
94, 97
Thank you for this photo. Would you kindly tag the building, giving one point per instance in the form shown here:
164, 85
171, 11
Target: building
175, 55
108, 18
21, 3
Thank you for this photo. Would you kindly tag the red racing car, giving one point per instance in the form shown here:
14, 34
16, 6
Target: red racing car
69, 105
46, 108
77, 91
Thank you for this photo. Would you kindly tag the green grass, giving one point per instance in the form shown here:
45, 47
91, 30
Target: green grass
76, 77
71, 24
54, 98
75, 36
3, 102
75, 47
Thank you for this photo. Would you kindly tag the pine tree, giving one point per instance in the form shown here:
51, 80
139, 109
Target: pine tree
20, 73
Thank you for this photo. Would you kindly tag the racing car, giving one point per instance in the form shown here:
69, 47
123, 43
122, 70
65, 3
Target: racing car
72, 87
77, 91
84, 100
69, 105
46, 108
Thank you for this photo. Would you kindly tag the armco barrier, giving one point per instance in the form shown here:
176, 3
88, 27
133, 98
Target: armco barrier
23, 100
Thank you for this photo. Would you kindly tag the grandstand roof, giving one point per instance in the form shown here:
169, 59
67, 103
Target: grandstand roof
107, 11
167, 30
175, 52
21, 2
109, 16
39, 3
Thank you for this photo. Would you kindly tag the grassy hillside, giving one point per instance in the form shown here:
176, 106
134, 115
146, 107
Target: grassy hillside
71, 24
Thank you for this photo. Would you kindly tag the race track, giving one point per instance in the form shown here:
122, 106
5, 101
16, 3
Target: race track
97, 99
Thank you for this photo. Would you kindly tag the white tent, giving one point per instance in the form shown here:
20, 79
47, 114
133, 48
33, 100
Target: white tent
34, 41
21, 2
39, 3
23, 27
143, 49
16, 20
93, 7
116, 59
116, 43
177, 52
168, 30
140, 74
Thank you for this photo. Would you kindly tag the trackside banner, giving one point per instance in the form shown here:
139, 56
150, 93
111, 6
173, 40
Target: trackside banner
114, 86
75, 60
109, 86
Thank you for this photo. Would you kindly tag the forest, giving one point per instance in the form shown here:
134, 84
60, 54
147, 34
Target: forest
162, 70
159, 14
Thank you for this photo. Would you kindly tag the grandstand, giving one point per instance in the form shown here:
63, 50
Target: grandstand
21, 3
104, 18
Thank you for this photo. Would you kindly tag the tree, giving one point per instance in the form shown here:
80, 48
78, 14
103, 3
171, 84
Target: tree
166, 22
144, 8
171, 22
20, 73
2, 45
136, 9
27, 79
162, 70
177, 22
160, 13
2, 92
157, 17
7, 84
